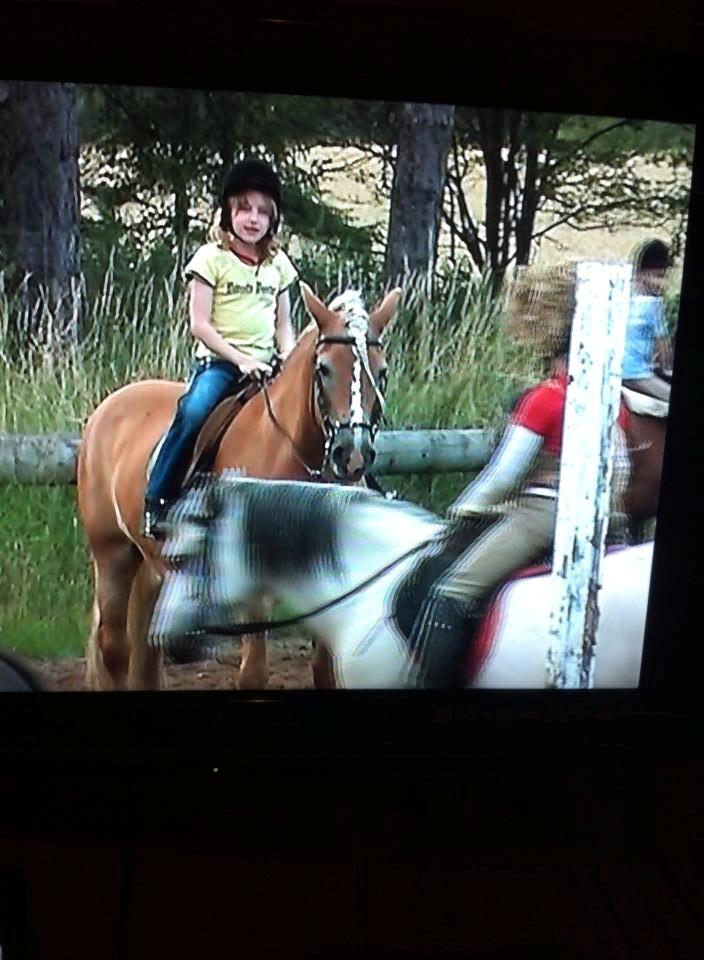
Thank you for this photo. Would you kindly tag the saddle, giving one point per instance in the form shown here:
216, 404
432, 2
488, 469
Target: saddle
432, 564
211, 434
214, 429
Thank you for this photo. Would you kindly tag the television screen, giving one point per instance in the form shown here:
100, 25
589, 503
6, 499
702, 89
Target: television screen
394, 375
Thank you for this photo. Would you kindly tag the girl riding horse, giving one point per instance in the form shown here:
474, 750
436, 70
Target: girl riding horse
647, 339
239, 306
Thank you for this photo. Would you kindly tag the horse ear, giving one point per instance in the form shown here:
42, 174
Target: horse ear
316, 308
381, 315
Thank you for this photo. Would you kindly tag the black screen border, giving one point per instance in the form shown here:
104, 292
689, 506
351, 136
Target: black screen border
435, 57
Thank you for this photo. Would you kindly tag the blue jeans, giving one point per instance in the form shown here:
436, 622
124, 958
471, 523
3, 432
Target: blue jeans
211, 382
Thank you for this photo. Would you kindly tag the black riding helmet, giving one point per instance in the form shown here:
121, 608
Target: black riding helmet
247, 175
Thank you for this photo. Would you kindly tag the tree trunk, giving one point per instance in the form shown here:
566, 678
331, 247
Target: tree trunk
529, 206
40, 229
491, 126
424, 138
509, 146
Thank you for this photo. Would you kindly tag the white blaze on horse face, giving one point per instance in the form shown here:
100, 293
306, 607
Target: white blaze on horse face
356, 408
357, 326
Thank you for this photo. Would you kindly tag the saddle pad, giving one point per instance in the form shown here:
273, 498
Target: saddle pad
643, 404
482, 641
154, 454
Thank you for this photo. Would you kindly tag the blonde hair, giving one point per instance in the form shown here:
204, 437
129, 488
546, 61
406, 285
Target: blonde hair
266, 247
540, 305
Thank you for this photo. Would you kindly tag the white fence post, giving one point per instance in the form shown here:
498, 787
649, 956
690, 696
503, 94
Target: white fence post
588, 443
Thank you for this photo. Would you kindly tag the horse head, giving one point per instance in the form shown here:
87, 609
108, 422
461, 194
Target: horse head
350, 377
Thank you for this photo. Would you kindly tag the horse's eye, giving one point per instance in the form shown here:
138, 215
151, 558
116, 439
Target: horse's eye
382, 378
324, 370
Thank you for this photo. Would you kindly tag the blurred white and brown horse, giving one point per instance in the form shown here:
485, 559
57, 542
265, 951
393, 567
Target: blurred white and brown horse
330, 541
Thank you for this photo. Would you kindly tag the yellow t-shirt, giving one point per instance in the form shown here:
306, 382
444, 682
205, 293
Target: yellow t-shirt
244, 297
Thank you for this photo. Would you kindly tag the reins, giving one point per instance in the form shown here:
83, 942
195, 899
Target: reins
260, 626
346, 340
311, 471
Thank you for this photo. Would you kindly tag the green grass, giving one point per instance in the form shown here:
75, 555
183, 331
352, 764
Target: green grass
451, 366
44, 571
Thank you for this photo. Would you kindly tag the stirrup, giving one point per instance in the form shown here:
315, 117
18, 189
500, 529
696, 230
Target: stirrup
154, 521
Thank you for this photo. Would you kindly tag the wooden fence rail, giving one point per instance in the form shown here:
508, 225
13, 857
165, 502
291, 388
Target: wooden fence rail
51, 458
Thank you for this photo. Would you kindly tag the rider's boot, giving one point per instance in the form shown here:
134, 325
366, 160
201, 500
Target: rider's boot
441, 640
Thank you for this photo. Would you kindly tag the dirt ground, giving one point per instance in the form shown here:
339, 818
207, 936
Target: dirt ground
289, 669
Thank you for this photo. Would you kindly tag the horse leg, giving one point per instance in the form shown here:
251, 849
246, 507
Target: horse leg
254, 666
108, 651
323, 673
146, 671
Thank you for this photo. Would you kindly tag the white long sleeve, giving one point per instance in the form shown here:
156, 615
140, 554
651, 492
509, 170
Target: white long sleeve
509, 464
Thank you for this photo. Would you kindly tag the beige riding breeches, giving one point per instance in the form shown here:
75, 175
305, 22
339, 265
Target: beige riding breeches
520, 537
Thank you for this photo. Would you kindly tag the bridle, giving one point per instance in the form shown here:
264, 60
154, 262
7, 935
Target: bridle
318, 400
261, 626
332, 427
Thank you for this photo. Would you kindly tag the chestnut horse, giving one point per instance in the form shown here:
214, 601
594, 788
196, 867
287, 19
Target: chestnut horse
319, 413
645, 438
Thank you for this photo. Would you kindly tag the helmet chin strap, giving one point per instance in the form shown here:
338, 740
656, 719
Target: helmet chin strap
248, 243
